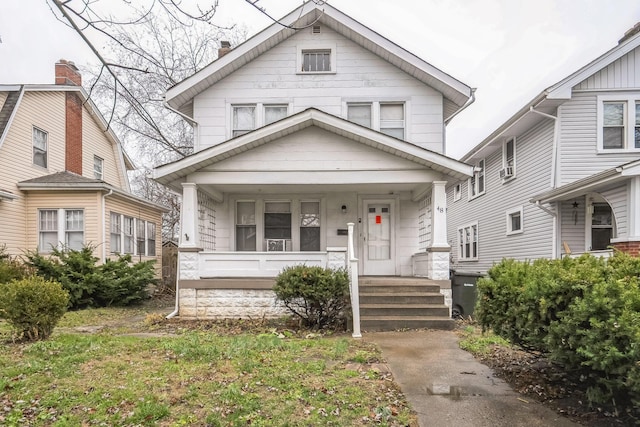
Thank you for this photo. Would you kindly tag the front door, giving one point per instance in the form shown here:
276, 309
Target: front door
379, 254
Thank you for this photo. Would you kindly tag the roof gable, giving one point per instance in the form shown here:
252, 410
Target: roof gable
455, 92
176, 171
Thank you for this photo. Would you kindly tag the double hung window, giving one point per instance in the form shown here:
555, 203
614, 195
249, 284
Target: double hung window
58, 227
476, 182
468, 242
386, 117
98, 165
39, 147
515, 221
618, 123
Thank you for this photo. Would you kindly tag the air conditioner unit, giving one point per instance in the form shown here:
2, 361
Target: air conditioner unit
278, 245
506, 172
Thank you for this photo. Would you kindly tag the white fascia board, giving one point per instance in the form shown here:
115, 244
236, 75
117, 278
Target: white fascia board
578, 188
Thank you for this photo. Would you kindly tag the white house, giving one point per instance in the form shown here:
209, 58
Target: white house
302, 129
561, 176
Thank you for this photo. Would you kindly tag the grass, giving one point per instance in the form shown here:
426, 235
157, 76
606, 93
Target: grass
199, 377
479, 343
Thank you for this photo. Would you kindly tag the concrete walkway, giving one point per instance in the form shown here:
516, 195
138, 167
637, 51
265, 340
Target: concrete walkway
448, 387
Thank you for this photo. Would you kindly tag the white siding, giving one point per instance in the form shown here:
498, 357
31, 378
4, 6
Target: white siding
578, 156
360, 76
533, 166
618, 199
622, 73
572, 224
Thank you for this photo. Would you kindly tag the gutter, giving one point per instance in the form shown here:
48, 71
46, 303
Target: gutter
184, 116
470, 101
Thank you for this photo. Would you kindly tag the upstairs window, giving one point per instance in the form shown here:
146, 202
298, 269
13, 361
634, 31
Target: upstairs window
244, 119
613, 125
508, 170
359, 113
618, 123
39, 147
273, 113
457, 192
98, 164
392, 120
476, 182
316, 60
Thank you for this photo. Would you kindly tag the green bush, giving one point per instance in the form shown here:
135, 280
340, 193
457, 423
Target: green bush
318, 296
33, 306
584, 313
116, 282
11, 268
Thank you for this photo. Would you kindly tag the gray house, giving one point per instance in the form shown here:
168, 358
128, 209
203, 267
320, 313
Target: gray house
561, 176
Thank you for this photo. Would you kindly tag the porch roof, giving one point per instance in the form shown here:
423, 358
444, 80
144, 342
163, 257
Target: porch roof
590, 183
172, 174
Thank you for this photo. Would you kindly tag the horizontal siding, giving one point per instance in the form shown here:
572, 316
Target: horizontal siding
44, 110
533, 166
3, 97
578, 155
89, 202
622, 73
572, 224
360, 75
95, 143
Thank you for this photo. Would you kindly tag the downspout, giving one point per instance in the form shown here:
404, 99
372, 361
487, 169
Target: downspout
176, 310
554, 231
104, 223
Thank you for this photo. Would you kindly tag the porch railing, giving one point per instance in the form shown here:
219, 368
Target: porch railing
353, 283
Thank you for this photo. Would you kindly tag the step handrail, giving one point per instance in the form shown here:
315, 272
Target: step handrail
353, 283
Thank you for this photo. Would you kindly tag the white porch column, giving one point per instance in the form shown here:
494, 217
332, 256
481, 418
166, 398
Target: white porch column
439, 215
438, 251
189, 216
634, 208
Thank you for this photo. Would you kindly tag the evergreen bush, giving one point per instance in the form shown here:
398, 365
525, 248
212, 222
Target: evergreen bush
11, 268
318, 296
583, 312
33, 306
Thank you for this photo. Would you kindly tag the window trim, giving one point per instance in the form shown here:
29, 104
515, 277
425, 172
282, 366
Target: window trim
473, 183
463, 228
98, 172
318, 47
33, 147
457, 192
505, 161
509, 213
61, 228
629, 122
376, 120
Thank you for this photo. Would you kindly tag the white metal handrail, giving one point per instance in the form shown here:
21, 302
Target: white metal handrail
353, 287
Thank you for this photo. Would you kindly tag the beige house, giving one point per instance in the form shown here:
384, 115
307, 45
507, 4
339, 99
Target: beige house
63, 175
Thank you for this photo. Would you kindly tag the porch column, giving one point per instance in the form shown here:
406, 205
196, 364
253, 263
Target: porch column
439, 249
189, 216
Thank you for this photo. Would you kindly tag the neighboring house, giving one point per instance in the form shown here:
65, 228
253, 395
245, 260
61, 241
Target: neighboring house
299, 132
63, 175
561, 176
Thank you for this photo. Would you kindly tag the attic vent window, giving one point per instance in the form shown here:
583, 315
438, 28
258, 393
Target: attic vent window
317, 60
315, 29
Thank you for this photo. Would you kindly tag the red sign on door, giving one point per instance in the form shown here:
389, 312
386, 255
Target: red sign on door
378, 219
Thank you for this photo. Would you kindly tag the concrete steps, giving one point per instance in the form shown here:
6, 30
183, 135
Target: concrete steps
392, 303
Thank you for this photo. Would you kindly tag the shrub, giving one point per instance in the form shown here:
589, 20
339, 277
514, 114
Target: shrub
11, 268
318, 296
116, 282
584, 313
33, 306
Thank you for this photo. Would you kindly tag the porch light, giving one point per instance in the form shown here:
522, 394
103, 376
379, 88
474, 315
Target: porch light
344, 209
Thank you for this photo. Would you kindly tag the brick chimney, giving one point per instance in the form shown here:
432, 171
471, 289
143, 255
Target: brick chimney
67, 73
225, 47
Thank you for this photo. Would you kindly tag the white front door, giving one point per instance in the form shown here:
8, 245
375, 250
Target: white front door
379, 254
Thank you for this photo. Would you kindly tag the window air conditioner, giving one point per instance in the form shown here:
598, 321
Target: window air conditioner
506, 172
278, 245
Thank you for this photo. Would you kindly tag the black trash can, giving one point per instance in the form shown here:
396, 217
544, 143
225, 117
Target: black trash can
464, 292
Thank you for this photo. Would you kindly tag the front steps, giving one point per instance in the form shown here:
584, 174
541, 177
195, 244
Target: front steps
393, 303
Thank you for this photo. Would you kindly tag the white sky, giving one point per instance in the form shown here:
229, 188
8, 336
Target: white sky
510, 50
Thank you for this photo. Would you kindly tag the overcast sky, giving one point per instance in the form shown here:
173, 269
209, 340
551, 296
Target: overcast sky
510, 50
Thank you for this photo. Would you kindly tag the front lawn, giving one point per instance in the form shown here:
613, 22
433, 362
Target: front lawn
122, 367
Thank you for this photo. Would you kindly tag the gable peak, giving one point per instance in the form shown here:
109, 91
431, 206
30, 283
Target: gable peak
630, 33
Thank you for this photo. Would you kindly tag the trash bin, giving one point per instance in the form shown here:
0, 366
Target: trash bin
464, 292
